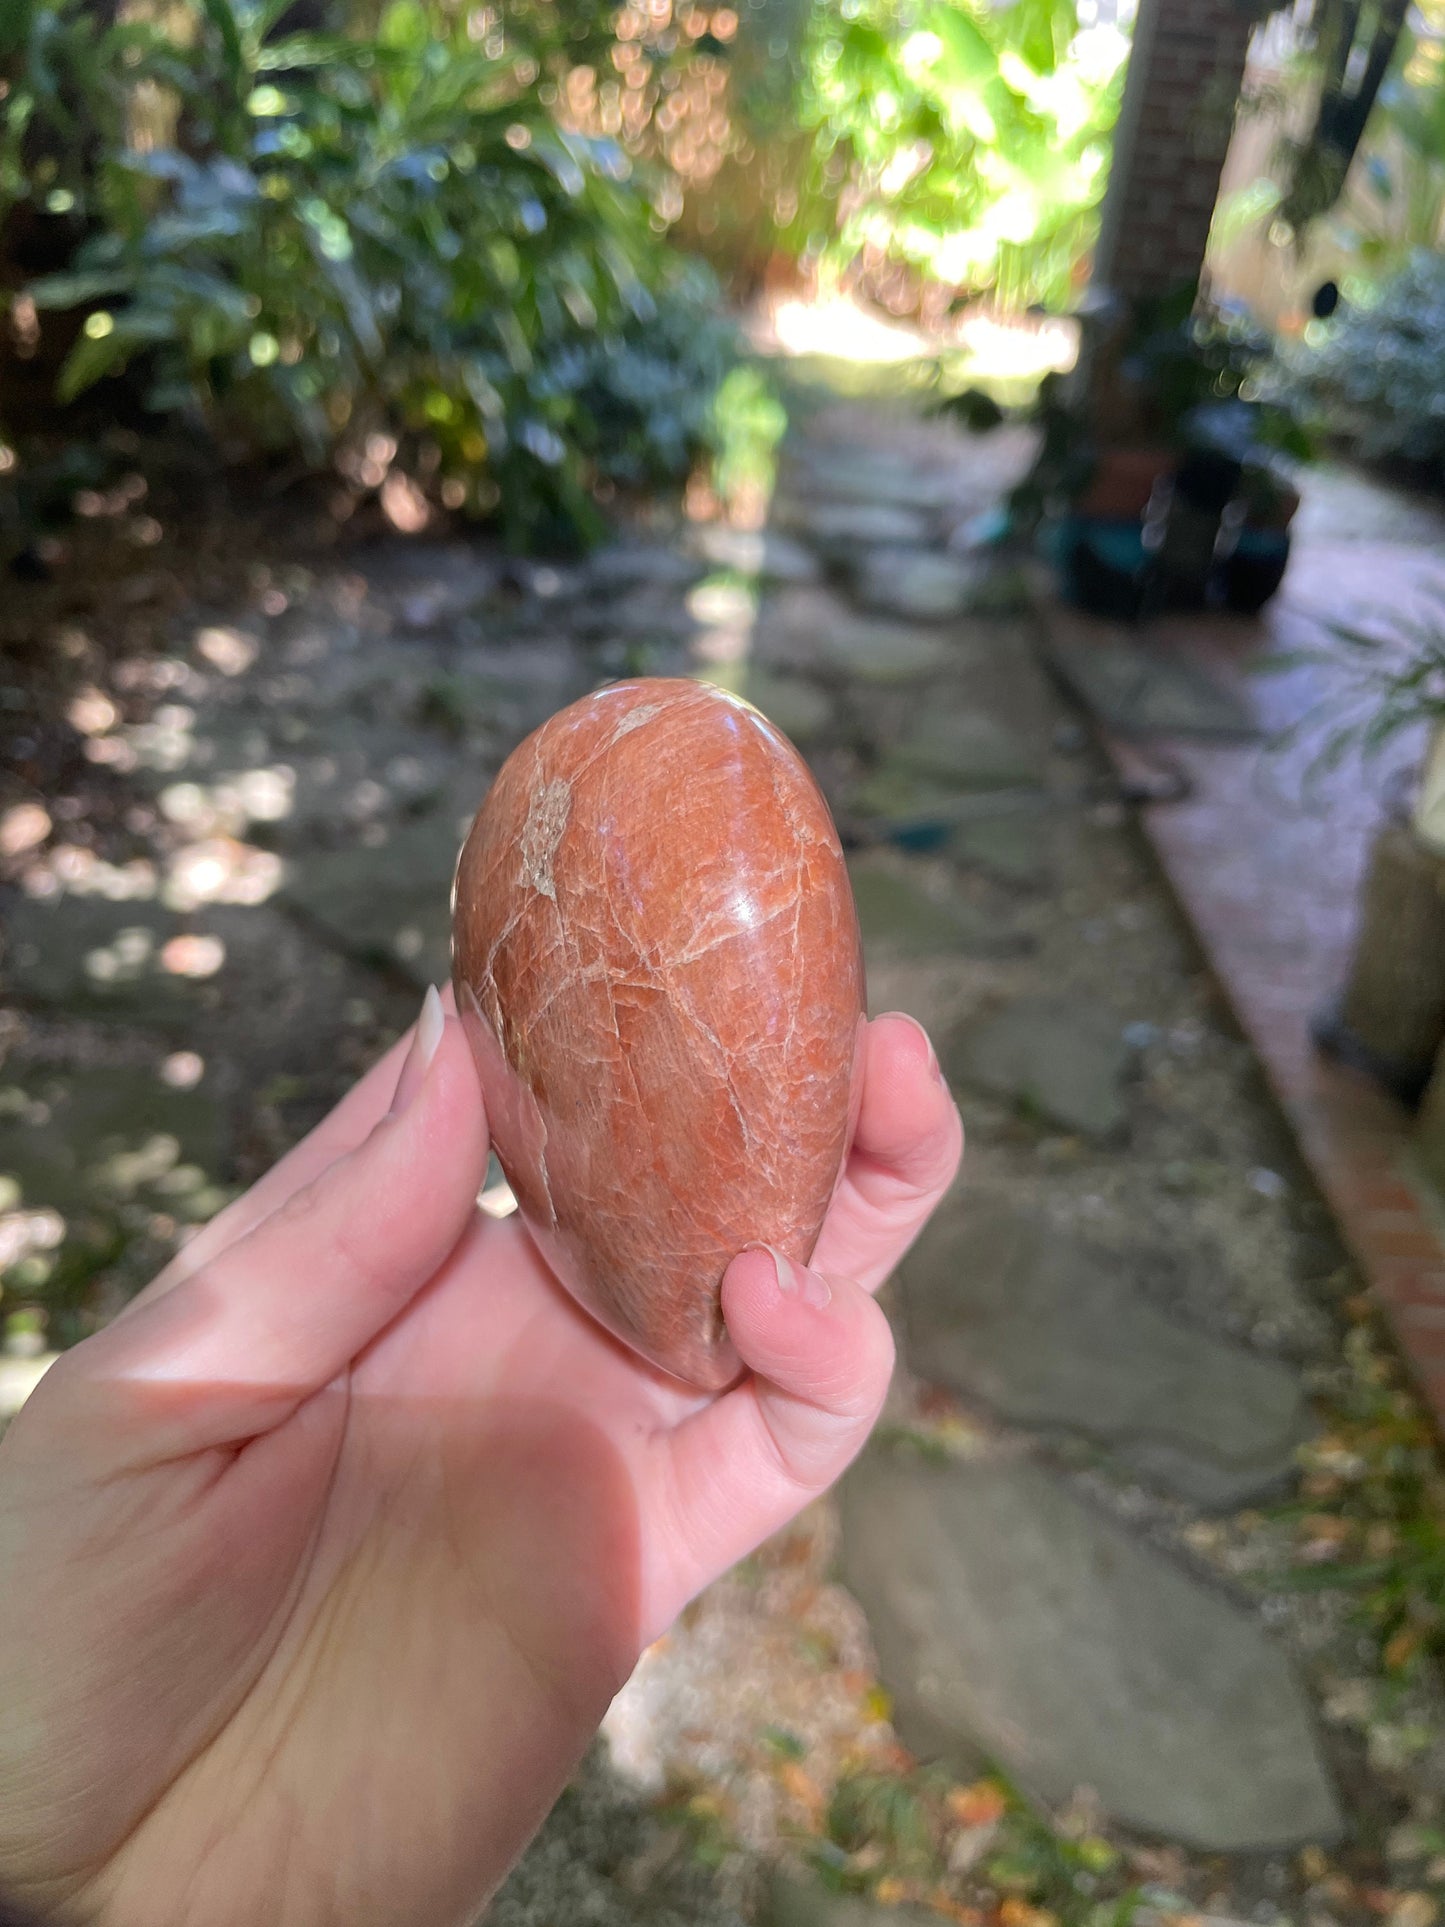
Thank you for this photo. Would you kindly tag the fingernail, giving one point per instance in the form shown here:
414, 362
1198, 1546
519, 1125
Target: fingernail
796, 1282
427, 1036
934, 1070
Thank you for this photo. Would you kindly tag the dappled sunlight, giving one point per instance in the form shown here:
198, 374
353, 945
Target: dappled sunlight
20, 1373
128, 955
725, 611
24, 827
980, 346
193, 956
95, 1162
220, 870
265, 795
230, 650
1012, 348
24, 1232
837, 326
71, 869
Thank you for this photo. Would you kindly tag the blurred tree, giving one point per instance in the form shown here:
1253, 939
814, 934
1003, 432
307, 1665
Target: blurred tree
1352, 44
964, 144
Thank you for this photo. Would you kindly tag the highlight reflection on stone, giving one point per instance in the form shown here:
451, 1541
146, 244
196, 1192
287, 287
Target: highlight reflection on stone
657, 960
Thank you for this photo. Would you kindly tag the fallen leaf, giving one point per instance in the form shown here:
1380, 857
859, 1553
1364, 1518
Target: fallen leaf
878, 1703
956, 1910
1014, 1912
978, 1805
1401, 1647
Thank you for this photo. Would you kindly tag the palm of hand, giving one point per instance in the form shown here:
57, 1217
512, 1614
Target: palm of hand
365, 1642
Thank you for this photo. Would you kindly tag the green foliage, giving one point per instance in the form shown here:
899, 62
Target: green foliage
366, 238
1373, 1519
1383, 681
915, 1834
748, 422
1377, 380
1068, 1870
967, 142
883, 1812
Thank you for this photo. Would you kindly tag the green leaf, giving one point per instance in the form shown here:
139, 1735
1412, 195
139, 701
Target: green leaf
971, 59
301, 50
404, 27
222, 17
77, 289
90, 360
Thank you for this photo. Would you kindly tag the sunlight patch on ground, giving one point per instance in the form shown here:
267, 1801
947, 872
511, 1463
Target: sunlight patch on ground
24, 827
1022, 348
760, 1697
725, 611
837, 327
978, 346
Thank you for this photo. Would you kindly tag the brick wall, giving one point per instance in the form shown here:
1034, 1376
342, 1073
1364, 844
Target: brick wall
1173, 136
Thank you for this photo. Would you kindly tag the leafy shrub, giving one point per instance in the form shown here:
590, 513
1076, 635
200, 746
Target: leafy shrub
1378, 381
967, 142
364, 241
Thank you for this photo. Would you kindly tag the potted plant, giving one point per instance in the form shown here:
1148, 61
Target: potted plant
1158, 477
1390, 1017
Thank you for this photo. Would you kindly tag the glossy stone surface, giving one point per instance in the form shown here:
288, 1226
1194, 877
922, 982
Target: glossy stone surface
657, 958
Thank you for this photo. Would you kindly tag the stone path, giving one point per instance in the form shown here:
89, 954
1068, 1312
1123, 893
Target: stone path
1116, 1314
1017, 1620
1049, 1333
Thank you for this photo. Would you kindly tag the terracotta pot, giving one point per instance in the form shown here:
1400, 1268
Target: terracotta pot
1121, 485
1391, 1016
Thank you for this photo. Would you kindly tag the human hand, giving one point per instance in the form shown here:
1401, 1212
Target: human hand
319, 1566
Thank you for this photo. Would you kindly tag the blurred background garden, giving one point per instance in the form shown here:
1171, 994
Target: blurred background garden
1037, 408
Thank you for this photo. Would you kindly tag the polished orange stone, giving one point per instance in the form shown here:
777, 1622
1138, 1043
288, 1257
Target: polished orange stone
657, 961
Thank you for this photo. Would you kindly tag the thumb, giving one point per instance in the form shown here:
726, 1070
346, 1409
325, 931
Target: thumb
265, 1323
744, 1464
821, 1354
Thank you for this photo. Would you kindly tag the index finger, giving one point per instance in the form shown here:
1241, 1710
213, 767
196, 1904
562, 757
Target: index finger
343, 1128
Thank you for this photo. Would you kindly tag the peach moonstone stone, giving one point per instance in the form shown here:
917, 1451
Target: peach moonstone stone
657, 961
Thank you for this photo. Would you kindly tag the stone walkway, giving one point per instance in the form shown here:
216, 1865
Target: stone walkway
1083, 1292
1277, 915
1111, 1339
